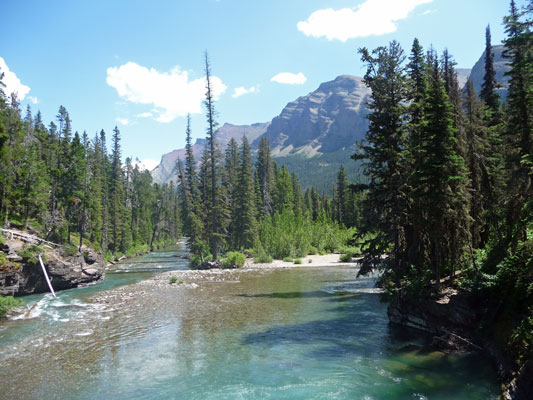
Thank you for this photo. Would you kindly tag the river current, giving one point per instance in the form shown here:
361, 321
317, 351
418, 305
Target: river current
308, 332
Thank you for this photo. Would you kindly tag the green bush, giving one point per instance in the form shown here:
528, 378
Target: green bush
288, 259
347, 257
298, 261
263, 258
173, 279
288, 235
233, 259
31, 254
7, 303
310, 261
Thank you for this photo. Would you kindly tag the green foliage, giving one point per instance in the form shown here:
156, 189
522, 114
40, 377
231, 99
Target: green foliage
312, 251
7, 303
263, 258
297, 260
174, 279
31, 254
288, 235
233, 259
288, 259
347, 257
310, 261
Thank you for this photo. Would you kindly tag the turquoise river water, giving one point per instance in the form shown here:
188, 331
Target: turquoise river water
301, 333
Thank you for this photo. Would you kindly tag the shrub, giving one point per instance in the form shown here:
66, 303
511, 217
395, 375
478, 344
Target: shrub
263, 258
288, 259
310, 261
233, 259
345, 257
31, 254
173, 279
312, 251
298, 261
7, 303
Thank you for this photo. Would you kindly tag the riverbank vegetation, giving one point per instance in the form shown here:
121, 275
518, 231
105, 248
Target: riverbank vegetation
230, 204
450, 192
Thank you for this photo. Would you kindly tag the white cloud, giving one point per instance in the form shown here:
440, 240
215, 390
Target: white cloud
123, 121
171, 93
240, 91
13, 84
372, 17
145, 115
289, 78
33, 99
146, 164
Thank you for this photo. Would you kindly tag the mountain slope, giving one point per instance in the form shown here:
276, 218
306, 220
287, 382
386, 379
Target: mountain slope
316, 133
327, 120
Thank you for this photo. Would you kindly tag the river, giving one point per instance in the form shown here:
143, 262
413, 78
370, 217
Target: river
307, 332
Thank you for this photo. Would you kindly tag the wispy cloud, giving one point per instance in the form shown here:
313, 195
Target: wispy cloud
145, 115
241, 91
171, 94
289, 78
123, 121
372, 17
12, 82
33, 99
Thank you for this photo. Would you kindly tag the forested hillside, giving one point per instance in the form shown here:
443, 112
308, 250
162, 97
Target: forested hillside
70, 189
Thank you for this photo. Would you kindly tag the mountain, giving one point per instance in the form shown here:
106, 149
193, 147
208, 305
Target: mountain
327, 120
316, 133
164, 172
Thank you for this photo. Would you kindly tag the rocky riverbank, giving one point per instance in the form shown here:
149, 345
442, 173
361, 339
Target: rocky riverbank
21, 273
455, 324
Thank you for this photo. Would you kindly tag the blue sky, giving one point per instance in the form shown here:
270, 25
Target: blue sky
139, 64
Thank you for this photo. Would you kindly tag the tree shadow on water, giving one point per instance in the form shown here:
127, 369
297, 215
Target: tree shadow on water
356, 326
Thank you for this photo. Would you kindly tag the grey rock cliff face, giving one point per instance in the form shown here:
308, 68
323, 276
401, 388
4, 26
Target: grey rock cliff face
326, 120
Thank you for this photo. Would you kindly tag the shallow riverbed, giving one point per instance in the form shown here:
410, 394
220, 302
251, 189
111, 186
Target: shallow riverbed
309, 332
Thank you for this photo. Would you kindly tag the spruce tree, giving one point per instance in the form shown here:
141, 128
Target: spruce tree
488, 89
386, 158
116, 196
244, 224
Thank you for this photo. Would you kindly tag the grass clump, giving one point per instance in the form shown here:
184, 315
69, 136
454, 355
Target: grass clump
297, 260
288, 259
233, 259
7, 303
174, 279
310, 261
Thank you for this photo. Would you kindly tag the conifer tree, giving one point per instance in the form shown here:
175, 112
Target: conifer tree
488, 89
244, 222
387, 201
519, 129
215, 230
440, 179
116, 195
265, 174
